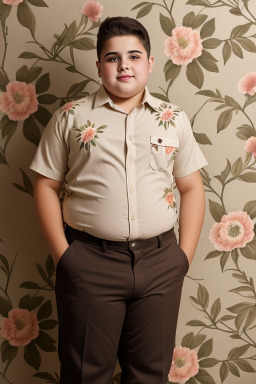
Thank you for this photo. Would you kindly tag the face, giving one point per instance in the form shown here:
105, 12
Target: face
124, 67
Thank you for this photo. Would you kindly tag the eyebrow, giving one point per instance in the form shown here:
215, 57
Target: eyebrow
116, 53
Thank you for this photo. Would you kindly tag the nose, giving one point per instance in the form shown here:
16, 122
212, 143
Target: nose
123, 64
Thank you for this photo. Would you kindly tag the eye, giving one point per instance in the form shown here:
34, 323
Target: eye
135, 57
113, 59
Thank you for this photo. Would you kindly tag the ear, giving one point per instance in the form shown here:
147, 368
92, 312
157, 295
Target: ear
150, 64
98, 66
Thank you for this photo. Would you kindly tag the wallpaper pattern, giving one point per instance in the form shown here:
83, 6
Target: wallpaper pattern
47, 59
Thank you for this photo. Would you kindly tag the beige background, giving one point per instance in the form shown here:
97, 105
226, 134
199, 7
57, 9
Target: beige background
19, 232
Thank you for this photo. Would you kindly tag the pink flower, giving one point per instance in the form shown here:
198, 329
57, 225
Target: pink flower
20, 327
247, 84
92, 9
88, 135
169, 198
166, 115
234, 231
12, 2
19, 100
183, 46
250, 146
68, 106
184, 364
169, 150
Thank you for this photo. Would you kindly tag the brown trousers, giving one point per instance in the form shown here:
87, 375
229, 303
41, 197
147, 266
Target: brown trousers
118, 300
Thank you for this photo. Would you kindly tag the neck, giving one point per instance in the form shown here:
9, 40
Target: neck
127, 103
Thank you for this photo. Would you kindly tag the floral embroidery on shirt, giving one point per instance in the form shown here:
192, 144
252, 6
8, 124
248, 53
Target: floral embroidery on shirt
170, 198
166, 114
88, 134
70, 107
171, 152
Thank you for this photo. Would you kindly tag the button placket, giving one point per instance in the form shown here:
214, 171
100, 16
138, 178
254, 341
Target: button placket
131, 176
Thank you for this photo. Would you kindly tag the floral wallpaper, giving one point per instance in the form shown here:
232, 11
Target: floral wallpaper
205, 64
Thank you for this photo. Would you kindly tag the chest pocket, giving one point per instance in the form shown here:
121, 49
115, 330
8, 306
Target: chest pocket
163, 151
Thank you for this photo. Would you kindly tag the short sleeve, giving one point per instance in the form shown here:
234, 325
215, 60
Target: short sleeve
51, 158
190, 157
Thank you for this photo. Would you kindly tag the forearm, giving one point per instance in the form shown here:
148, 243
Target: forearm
48, 209
192, 209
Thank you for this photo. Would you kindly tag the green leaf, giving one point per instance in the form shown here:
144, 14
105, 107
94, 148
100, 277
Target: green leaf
237, 167
32, 355
42, 272
45, 342
223, 260
45, 310
224, 120
171, 71
244, 365
226, 51
28, 55
231, 102
248, 177
196, 323
47, 98
217, 210
250, 208
26, 17
49, 266
249, 250
5, 10
202, 138
211, 43
5, 307
167, 24
224, 371
247, 44
195, 74
31, 131
30, 303
29, 285
204, 377
240, 307
71, 68
160, 96
238, 351
84, 44
205, 349
240, 30
22, 73
38, 3
208, 362
48, 324
42, 115
43, 83
3, 80
77, 88
209, 65
233, 369
8, 352
213, 254
33, 74
5, 262
28, 187
208, 29
8, 127
236, 49
144, 11
226, 171
139, 5
203, 296
245, 132
215, 310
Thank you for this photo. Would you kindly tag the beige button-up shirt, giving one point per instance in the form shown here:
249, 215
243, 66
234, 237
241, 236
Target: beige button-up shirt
118, 168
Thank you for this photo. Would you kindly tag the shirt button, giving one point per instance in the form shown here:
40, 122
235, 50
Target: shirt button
131, 190
133, 245
159, 140
130, 162
133, 218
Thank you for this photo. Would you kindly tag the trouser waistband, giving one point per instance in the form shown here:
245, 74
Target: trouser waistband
158, 240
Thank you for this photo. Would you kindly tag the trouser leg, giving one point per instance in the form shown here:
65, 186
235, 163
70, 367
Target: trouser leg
148, 335
91, 287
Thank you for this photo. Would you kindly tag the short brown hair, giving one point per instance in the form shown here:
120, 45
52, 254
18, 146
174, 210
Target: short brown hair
121, 26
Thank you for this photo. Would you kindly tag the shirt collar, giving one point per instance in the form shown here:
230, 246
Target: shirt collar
102, 98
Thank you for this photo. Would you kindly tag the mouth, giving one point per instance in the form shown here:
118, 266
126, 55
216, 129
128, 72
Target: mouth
125, 77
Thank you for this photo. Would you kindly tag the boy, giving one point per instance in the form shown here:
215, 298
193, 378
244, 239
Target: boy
119, 269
